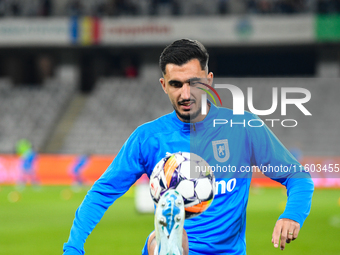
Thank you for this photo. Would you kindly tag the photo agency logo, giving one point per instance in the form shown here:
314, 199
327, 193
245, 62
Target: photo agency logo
204, 97
300, 97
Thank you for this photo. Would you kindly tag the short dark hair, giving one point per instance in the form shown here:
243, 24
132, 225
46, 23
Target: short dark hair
182, 51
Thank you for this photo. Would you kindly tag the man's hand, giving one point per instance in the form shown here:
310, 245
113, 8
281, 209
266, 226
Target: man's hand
285, 231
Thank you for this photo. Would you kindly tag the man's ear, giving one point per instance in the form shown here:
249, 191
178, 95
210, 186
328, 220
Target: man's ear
162, 81
210, 78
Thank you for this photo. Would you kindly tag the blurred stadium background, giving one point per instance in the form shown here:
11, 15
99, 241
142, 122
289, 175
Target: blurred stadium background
77, 77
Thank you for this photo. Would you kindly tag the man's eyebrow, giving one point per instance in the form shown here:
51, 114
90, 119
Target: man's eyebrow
194, 79
174, 81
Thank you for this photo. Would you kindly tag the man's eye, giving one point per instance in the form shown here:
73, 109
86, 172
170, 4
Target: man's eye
195, 82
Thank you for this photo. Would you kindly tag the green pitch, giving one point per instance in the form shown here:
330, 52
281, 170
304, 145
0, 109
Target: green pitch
37, 221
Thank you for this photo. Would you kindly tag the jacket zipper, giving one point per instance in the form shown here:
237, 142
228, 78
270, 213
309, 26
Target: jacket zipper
193, 139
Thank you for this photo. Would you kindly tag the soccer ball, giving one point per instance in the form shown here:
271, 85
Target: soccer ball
190, 175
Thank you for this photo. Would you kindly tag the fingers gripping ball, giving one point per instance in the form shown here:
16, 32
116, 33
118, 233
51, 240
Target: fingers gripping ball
190, 175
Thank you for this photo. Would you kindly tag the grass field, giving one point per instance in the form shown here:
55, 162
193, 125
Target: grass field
37, 221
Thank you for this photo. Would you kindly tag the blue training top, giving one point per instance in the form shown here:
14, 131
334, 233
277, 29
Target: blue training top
237, 144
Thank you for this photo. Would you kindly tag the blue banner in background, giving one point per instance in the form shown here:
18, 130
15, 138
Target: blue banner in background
74, 29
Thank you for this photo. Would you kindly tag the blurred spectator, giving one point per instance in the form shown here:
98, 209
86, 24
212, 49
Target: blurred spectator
125, 7
30, 8
130, 70
176, 7
2, 8
45, 8
328, 6
200, 7
265, 6
75, 8
45, 68
100, 9
160, 7
111, 8
223, 7
15, 8
291, 6
237, 6
164, 7
251, 6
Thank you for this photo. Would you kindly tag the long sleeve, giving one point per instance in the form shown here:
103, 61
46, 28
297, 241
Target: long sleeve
125, 169
299, 192
276, 162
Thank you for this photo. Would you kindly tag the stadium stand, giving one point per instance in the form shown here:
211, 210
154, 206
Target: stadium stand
104, 118
315, 135
30, 112
31, 8
112, 111
117, 106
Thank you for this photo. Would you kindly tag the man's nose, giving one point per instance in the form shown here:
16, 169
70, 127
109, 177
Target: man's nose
186, 91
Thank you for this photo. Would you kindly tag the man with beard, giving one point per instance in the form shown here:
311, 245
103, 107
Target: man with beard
220, 229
